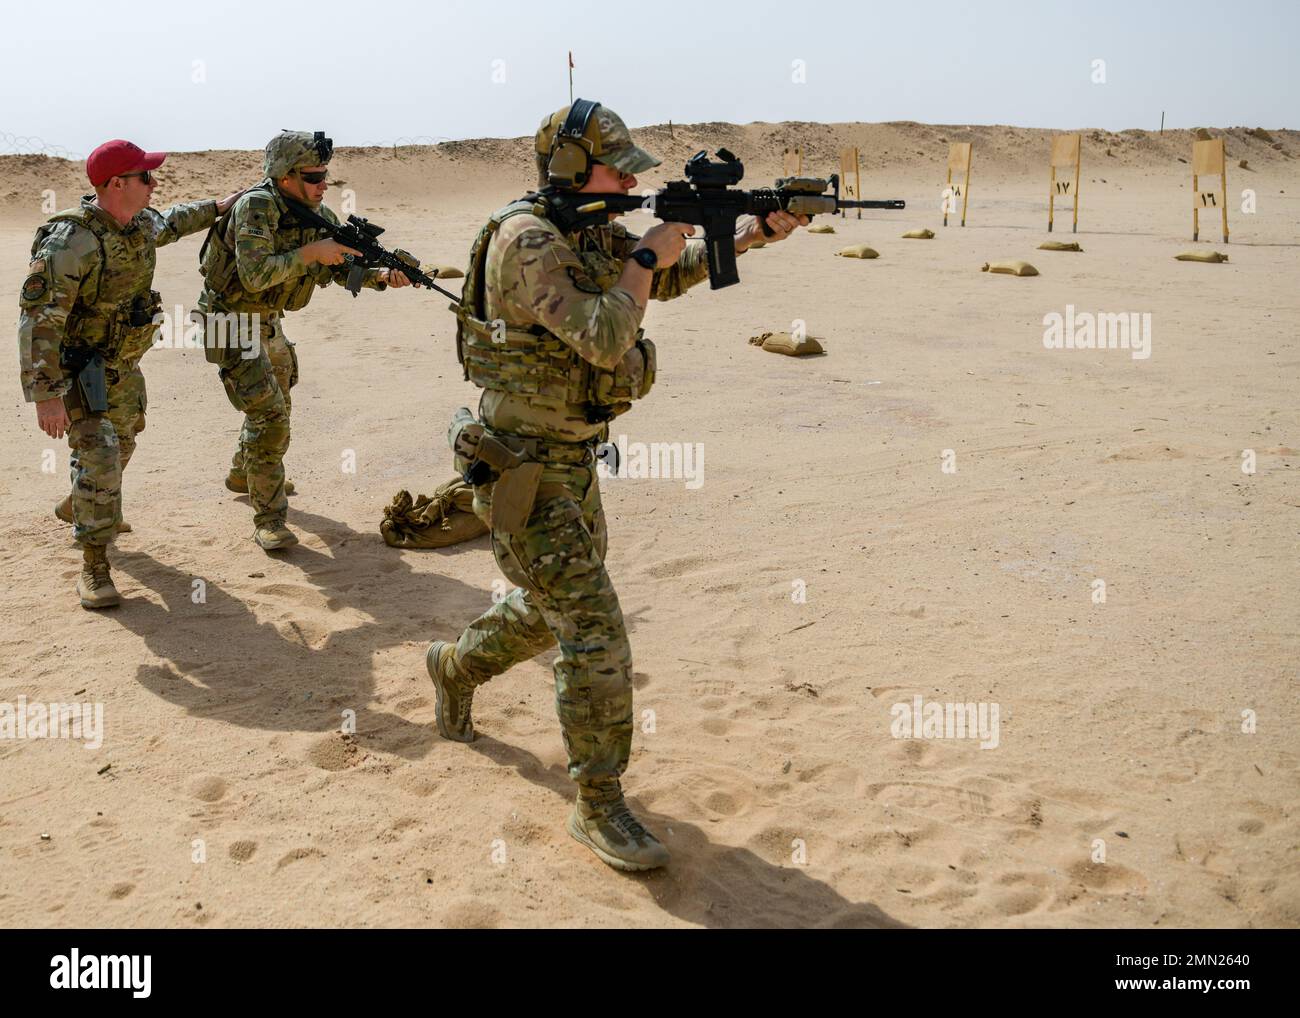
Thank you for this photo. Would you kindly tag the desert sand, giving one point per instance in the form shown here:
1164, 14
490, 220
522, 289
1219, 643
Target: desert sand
771, 772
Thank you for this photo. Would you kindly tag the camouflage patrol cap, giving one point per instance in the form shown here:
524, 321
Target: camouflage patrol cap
610, 140
291, 149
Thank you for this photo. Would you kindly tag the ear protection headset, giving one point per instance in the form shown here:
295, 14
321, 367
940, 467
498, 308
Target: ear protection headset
571, 149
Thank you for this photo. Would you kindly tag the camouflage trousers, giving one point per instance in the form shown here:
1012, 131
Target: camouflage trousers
102, 446
253, 386
284, 366
564, 595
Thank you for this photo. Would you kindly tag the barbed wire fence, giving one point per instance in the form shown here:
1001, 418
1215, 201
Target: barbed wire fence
32, 145
20, 144
412, 141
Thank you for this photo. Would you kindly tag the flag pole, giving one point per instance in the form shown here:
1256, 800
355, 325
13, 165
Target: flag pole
570, 77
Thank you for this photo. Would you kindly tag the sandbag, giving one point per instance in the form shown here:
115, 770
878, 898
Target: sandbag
784, 343
448, 272
432, 521
821, 228
1060, 245
1014, 268
1213, 257
919, 235
858, 251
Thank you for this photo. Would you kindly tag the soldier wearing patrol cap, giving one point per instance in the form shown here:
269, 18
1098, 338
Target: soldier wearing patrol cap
549, 327
86, 319
261, 260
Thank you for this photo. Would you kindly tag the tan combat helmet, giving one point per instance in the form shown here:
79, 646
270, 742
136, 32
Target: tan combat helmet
290, 149
571, 139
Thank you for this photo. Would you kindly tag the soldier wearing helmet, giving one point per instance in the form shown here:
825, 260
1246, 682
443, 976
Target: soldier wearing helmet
550, 328
260, 260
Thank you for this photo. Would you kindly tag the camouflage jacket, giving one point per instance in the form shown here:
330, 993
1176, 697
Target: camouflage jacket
566, 284
86, 271
535, 276
251, 262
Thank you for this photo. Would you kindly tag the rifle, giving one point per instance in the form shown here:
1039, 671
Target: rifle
705, 198
359, 234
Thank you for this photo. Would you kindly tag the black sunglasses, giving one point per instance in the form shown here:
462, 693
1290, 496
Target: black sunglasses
146, 177
313, 176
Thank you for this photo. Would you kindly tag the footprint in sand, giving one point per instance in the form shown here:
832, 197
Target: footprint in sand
715, 726
721, 802
470, 913
209, 789
1108, 878
297, 855
242, 851
676, 567
120, 891
335, 753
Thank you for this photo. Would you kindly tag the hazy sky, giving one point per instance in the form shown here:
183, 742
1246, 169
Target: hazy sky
371, 73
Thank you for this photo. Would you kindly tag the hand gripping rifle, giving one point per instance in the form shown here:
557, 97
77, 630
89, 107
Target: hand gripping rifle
705, 198
360, 235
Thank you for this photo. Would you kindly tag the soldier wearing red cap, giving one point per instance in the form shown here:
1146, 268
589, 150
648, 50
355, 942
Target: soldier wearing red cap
86, 319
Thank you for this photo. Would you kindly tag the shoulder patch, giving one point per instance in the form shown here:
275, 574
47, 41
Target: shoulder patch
35, 287
581, 280
249, 230
560, 257
531, 240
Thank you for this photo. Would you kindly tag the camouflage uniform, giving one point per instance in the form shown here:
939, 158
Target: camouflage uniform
571, 345
86, 272
251, 265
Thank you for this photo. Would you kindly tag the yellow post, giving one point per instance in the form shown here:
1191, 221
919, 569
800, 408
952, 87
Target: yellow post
850, 178
1196, 207
1209, 158
1223, 177
959, 154
1051, 199
1077, 164
1065, 152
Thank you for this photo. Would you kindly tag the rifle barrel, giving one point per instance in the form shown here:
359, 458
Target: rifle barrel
887, 203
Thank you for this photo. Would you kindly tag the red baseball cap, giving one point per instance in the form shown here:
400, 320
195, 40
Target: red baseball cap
117, 157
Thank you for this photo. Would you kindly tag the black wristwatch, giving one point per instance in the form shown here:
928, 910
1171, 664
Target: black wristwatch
646, 258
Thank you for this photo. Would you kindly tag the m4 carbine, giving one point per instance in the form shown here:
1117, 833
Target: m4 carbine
706, 198
360, 235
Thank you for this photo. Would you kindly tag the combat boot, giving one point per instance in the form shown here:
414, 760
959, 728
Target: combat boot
454, 696
616, 836
274, 535
64, 512
95, 585
239, 483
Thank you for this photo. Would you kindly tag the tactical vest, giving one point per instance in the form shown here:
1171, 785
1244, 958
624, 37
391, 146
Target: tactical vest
221, 274
115, 307
531, 361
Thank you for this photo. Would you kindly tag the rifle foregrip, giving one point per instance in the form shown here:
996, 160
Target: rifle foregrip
811, 205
